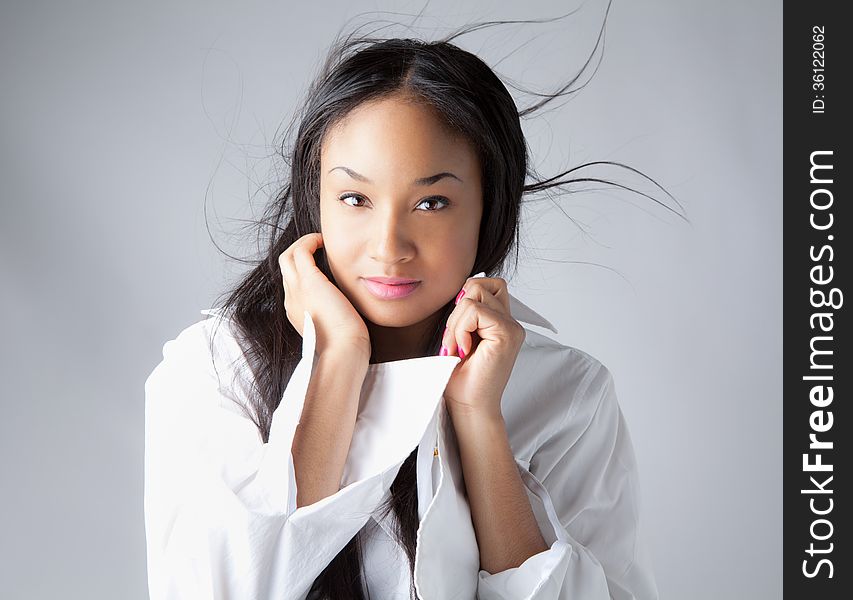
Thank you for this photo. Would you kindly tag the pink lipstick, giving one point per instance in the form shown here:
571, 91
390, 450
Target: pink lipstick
390, 288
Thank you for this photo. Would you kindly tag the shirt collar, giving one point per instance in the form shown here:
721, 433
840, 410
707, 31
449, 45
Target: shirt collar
523, 313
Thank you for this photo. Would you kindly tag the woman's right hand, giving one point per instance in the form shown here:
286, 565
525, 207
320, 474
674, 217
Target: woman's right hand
336, 322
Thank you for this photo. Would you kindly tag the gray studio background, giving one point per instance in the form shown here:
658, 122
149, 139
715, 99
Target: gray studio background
119, 120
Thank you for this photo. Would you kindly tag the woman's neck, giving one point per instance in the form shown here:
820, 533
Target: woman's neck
399, 343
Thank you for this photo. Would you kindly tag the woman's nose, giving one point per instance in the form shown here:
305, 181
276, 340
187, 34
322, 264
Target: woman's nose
390, 241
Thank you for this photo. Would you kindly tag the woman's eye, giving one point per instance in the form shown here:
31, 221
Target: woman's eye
345, 197
437, 202
444, 202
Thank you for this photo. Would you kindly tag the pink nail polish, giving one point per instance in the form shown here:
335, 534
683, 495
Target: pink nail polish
461, 353
443, 351
459, 296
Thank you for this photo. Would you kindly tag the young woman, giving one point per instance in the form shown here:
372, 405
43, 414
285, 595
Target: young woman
366, 415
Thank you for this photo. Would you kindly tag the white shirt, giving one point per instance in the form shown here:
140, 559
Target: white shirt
220, 505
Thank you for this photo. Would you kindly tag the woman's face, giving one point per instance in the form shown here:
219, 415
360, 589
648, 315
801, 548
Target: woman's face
400, 196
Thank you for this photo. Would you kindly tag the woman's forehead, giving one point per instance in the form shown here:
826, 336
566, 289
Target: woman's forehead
391, 135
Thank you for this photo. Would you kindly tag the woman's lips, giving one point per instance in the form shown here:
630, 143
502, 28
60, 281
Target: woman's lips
390, 292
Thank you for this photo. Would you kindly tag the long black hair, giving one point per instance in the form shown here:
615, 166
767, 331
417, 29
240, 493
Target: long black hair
472, 100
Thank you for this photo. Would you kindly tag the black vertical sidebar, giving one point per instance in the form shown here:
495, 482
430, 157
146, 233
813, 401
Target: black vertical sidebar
817, 368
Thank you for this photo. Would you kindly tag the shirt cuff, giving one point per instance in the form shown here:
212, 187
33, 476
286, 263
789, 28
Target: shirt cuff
565, 570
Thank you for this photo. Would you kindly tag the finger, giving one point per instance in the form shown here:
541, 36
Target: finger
448, 339
460, 339
478, 287
456, 337
288, 269
303, 253
453, 337
484, 295
476, 318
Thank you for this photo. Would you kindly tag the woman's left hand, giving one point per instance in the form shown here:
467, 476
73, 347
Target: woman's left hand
481, 331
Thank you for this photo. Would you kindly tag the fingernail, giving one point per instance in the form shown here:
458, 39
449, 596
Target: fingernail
459, 296
443, 351
461, 353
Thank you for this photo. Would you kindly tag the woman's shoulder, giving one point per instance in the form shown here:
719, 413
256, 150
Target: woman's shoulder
552, 386
206, 349
540, 346
203, 342
565, 371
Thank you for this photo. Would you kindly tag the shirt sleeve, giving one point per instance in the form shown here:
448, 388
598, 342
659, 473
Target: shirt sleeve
587, 493
220, 505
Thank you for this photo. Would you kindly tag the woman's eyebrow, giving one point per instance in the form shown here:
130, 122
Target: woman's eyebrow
423, 181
